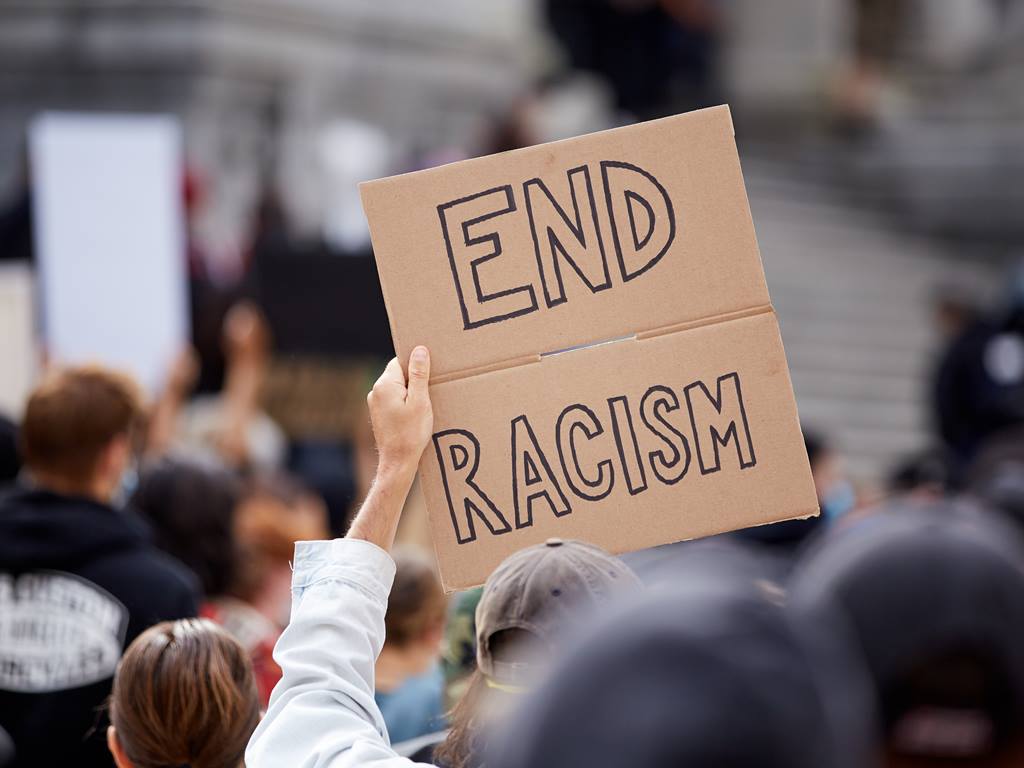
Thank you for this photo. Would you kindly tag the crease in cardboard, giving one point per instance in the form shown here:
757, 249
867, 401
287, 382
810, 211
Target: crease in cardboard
703, 322
499, 365
651, 333
588, 345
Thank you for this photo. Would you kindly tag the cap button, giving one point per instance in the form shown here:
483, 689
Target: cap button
553, 543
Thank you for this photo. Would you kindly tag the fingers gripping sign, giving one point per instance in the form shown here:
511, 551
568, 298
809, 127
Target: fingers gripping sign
400, 412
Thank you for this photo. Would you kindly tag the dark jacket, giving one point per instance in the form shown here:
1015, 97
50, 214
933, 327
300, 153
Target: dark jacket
78, 581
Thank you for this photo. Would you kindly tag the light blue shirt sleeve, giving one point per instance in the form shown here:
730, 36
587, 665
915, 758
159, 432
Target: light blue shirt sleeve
322, 713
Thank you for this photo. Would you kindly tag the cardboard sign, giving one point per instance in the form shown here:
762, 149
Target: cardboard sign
607, 365
110, 235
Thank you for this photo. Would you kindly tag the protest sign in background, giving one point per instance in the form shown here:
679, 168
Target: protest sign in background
110, 237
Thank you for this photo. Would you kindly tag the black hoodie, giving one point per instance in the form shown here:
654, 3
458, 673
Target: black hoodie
78, 581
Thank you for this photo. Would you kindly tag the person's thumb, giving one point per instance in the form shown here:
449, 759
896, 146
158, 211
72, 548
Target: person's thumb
419, 373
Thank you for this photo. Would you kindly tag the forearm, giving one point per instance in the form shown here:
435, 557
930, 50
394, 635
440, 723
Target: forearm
402, 420
377, 520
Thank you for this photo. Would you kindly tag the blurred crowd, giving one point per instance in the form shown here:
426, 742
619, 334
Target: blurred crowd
883, 632
148, 562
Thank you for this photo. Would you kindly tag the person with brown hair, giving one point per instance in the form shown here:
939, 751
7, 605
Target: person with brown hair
78, 433
274, 512
409, 682
184, 695
78, 577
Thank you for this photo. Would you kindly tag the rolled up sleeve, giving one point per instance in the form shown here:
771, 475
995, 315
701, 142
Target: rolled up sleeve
322, 713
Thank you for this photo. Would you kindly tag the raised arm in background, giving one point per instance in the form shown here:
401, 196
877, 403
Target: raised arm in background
247, 349
163, 419
323, 713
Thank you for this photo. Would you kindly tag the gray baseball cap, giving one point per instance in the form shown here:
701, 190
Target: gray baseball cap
538, 592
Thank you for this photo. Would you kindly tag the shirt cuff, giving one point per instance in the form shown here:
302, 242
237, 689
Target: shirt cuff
352, 560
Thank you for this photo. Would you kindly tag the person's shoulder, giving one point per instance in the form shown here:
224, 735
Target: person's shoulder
423, 693
147, 568
173, 571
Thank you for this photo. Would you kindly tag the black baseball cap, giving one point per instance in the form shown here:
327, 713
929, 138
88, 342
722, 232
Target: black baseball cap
932, 596
716, 676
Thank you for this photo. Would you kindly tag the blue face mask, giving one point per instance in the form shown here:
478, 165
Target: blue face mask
838, 500
126, 486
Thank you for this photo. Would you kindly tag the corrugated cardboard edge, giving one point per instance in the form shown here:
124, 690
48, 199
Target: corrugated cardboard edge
387, 300
803, 515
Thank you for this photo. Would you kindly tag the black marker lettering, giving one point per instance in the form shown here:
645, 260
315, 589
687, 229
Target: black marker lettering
556, 237
532, 478
467, 213
668, 470
579, 417
720, 419
458, 455
651, 217
629, 456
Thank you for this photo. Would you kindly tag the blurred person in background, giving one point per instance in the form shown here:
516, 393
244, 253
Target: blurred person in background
323, 712
190, 508
879, 28
228, 426
924, 476
409, 684
460, 642
955, 309
10, 462
779, 545
933, 599
6, 749
275, 512
16, 215
238, 537
79, 578
836, 496
710, 673
660, 56
978, 388
183, 696
996, 477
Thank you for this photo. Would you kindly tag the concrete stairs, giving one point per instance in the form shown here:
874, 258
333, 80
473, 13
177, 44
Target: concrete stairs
854, 298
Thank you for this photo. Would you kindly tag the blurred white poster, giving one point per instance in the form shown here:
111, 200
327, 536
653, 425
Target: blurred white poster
17, 341
350, 152
110, 240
